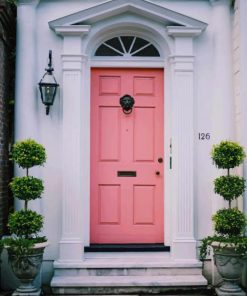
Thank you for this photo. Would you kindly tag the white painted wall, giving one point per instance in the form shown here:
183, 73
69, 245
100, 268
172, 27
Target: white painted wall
240, 87
49, 128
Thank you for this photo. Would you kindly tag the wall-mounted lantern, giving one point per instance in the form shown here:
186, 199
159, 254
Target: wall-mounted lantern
127, 102
48, 86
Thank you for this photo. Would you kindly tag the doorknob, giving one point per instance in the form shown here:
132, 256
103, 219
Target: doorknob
160, 159
157, 173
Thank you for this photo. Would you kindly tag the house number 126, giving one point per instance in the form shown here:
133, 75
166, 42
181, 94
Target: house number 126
204, 136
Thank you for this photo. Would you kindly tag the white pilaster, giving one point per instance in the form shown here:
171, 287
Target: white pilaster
26, 99
182, 65
222, 82
71, 243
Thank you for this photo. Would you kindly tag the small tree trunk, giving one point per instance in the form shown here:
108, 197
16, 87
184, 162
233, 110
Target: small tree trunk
26, 202
25, 206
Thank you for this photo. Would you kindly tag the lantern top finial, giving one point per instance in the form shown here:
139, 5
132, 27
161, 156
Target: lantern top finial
50, 68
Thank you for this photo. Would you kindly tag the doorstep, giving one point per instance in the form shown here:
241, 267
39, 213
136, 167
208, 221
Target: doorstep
127, 273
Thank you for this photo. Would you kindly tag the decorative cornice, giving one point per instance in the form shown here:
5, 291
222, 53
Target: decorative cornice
72, 30
179, 31
117, 7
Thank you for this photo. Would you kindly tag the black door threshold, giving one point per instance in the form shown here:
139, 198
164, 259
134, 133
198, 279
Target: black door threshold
127, 248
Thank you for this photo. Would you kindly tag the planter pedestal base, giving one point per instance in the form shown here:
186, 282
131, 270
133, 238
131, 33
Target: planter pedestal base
37, 293
223, 293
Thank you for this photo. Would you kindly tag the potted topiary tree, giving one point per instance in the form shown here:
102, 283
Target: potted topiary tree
229, 243
25, 247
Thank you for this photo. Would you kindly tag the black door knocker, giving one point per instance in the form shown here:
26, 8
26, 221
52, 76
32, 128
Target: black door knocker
127, 102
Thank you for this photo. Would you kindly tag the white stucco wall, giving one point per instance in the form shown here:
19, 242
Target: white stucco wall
240, 87
208, 118
50, 127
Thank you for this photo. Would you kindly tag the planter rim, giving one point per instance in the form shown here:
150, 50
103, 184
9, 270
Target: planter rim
223, 245
227, 249
41, 245
35, 246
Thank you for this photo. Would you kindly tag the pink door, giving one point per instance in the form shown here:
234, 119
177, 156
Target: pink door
127, 151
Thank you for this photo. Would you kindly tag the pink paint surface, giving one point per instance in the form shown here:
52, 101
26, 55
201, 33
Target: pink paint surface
127, 209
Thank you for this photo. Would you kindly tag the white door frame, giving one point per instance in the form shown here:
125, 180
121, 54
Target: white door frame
178, 60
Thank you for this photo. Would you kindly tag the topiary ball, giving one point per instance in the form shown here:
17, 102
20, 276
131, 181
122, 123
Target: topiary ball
230, 222
25, 224
228, 155
28, 153
230, 187
27, 188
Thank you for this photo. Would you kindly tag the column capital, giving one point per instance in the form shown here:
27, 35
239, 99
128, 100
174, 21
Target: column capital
28, 2
80, 30
179, 31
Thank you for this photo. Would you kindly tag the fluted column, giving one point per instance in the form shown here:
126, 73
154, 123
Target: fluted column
71, 243
26, 104
182, 65
222, 82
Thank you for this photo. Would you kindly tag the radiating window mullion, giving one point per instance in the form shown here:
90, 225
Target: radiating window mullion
116, 50
120, 40
140, 49
132, 44
127, 46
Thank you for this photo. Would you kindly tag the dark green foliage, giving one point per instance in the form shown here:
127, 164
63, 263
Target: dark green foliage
12, 2
1, 246
229, 222
20, 246
238, 243
27, 188
25, 223
230, 187
28, 153
228, 155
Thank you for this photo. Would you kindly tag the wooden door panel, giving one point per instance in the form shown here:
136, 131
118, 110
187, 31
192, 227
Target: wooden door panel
127, 209
109, 134
109, 195
144, 134
143, 205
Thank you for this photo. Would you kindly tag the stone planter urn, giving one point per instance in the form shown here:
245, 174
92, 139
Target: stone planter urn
26, 268
230, 266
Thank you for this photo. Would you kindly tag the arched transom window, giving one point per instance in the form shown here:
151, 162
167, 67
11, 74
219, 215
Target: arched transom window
127, 46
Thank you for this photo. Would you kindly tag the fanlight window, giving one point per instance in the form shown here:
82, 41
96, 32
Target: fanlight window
127, 46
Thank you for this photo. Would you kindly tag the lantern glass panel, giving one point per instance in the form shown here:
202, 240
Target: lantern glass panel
49, 93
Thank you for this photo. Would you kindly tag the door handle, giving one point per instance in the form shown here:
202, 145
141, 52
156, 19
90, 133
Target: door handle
157, 173
160, 159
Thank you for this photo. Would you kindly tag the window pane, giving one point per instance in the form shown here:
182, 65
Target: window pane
149, 51
103, 50
138, 44
114, 42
